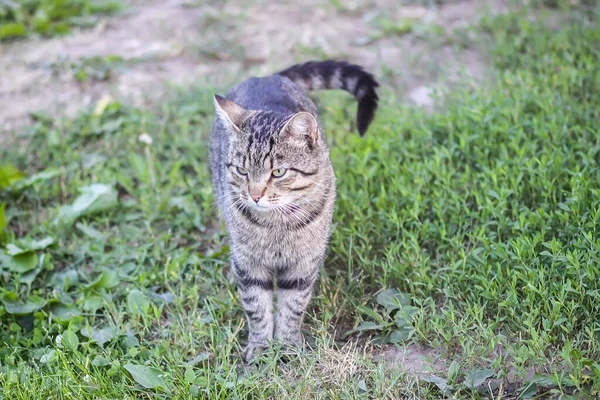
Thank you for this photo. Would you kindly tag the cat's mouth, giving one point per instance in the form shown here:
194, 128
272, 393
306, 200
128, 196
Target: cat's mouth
261, 205
258, 206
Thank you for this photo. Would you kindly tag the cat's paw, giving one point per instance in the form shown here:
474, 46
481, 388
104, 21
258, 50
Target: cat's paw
253, 350
290, 339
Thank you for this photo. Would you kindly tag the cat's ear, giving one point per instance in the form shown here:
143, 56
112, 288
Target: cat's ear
229, 112
303, 127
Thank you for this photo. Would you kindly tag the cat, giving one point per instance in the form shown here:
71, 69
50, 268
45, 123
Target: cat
276, 188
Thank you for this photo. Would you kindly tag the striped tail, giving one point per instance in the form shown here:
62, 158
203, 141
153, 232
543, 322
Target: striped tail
339, 75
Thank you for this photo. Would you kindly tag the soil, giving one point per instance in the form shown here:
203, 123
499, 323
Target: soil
175, 42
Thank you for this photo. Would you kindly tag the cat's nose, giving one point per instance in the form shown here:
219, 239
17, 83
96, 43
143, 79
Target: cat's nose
256, 193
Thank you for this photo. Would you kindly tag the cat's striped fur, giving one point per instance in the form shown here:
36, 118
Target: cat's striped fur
279, 225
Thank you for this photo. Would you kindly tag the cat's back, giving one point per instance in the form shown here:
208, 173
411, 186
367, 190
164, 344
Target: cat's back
272, 93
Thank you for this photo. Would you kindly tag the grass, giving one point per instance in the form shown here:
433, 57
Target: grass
90, 69
23, 18
473, 232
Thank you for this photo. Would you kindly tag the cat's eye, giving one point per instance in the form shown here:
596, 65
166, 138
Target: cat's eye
241, 171
279, 172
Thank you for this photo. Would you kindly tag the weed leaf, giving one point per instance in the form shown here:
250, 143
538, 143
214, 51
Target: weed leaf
367, 326
392, 299
148, 377
3, 221
9, 174
63, 313
106, 280
529, 391
138, 303
94, 198
100, 336
441, 383
70, 340
476, 377
13, 305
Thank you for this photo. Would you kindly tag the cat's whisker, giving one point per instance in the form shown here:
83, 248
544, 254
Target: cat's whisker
235, 205
300, 212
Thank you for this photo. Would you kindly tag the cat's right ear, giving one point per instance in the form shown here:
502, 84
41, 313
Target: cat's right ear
229, 112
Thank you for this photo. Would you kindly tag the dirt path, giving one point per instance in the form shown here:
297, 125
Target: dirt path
175, 41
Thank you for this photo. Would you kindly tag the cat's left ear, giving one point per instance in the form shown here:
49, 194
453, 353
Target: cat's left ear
229, 112
303, 127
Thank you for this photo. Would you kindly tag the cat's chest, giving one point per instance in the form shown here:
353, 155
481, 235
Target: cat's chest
274, 248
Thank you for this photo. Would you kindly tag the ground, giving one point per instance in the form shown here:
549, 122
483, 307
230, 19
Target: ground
464, 257
177, 42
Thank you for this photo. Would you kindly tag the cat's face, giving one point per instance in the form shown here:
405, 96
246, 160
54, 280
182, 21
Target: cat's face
274, 161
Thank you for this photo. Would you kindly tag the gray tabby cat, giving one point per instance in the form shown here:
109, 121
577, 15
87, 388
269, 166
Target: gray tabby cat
275, 188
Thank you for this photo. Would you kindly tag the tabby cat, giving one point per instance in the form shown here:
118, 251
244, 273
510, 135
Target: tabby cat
275, 188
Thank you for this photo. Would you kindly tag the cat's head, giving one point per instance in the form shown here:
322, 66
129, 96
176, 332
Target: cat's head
274, 160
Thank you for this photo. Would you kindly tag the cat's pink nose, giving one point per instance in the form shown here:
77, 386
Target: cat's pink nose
256, 192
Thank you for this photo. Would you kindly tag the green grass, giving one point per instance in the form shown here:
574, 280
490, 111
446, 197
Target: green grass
90, 69
484, 218
23, 18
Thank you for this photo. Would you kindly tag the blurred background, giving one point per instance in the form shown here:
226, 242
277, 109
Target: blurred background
57, 56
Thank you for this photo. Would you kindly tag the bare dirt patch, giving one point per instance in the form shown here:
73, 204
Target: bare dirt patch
179, 42
415, 360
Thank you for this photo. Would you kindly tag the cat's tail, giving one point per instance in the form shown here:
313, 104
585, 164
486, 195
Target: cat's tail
332, 74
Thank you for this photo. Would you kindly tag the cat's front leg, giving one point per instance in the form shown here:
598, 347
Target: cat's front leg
295, 288
256, 294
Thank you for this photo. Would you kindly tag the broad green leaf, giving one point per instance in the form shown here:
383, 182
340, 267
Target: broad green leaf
48, 357
545, 380
403, 316
9, 174
190, 376
166, 297
14, 250
362, 387
529, 391
100, 336
392, 299
369, 312
100, 361
399, 335
93, 303
138, 303
63, 313
148, 377
12, 30
130, 340
199, 358
3, 221
23, 262
89, 231
65, 279
441, 383
39, 177
476, 377
70, 340
13, 305
453, 371
202, 381
106, 280
367, 326
194, 390
28, 277
94, 198
40, 244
